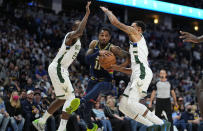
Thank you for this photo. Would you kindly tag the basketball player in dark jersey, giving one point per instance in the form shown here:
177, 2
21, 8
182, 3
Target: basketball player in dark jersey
100, 79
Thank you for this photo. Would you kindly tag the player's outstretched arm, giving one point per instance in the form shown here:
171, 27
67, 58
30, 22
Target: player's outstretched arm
79, 31
188, 37
114, 21
119, 68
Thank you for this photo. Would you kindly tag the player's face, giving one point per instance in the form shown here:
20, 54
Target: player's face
134, 25
104, 37
162, 74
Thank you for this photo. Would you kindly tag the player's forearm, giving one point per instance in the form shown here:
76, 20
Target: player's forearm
91, 57
200, 39
112, 18
82, 25
124, 70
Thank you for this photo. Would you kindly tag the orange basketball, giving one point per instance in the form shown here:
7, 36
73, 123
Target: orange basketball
106, 61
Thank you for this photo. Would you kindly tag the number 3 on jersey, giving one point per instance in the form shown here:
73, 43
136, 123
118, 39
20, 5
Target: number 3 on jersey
97, 65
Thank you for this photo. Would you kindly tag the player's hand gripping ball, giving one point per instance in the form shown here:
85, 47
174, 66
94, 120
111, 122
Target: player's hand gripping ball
106, 59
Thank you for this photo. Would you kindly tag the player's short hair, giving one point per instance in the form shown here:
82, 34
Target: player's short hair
105, 29
141, 24
162, 69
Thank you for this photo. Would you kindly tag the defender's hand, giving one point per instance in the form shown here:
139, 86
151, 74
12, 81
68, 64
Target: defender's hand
114, 67
88, 7
188, 37
104, 9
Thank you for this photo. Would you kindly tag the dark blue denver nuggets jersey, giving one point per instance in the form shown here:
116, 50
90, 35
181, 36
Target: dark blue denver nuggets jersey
96, 71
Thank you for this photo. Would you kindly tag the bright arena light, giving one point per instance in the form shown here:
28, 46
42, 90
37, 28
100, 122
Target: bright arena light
196, 28
160, 6
156, 21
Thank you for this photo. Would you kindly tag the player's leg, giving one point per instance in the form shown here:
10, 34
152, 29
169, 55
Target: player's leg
56, 104
95, 91
124, 107
86, 107
138, 108
71, 104
91, 96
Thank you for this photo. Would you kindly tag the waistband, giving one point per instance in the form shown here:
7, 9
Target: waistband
99, 79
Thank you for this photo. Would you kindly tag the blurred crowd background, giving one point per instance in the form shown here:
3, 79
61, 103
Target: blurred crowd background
29, 40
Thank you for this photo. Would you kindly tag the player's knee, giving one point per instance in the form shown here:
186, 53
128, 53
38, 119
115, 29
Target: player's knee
123, 103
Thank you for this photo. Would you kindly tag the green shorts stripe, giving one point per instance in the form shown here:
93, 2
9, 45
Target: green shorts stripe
142, 68
60, 96
59, 69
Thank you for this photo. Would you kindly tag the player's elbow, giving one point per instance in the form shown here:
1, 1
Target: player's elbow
115, 23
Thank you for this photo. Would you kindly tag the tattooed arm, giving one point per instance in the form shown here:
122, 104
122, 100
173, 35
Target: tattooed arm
117, 51
114, 21
79, 31
122, 54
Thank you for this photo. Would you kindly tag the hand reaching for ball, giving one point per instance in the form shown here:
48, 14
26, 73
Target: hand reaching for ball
104, 53
106, 59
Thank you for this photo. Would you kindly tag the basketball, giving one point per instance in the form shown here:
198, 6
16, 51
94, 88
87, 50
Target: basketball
107, 60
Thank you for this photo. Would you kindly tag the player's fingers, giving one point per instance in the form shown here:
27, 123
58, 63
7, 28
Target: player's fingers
184, 33
187, 40
184, 36
89, 2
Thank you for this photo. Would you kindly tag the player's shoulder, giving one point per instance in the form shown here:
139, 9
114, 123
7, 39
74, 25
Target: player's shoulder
93, 43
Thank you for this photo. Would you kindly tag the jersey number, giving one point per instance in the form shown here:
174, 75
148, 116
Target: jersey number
97, 65
75, 55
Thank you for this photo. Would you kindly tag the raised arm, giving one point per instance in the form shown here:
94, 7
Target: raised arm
90, 56
79, 31
114, 21
188, 37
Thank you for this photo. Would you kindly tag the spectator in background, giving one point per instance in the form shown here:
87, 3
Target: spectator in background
29, 85
40, 72
30, 111
100, 116
4, 116
14, 109
188, 117
117, 121
23, 95
180, 124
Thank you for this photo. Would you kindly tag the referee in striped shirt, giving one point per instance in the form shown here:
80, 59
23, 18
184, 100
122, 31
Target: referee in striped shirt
162, 90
